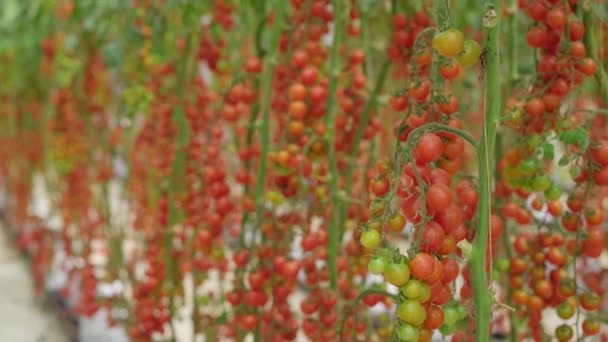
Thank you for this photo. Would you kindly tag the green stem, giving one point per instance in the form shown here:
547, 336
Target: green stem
266, 83
512, 27
590, 44
479, 278
340, 12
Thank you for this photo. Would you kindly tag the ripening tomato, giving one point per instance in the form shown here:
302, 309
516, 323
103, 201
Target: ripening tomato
370, 239
591, 326
422, 265
397, 274
470, 54
449, 43
564, 333
412, 312
590, 301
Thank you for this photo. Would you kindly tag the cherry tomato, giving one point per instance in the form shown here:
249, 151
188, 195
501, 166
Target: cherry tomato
449, 43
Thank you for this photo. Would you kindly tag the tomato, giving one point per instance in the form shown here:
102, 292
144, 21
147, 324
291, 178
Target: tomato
577, 30
450, 106
434, 317
396, 223
450, 270
379, 186
587, 66
450, 218
537, 37
412, 288
470, 54
536, 10
377, 265
370, 239
408, 333
541, 182
411, 311
449, 43
450, 70
429, 148
422, 266
591, 326
590, 301
438, 197
556, 18
565, 310
554, 192
535, 107
397, 274
564, 333
420, 91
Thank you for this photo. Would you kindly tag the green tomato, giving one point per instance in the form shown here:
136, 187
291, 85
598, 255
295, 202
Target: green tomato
470, 54
377, 265
554, 192
450, 315
425, 293
534, 140
462, 312
447, 329
370, 239
502, 265
397, 274
449, 43
408, 333
412, 312
565, 310
527, 166
541, 183
412, 289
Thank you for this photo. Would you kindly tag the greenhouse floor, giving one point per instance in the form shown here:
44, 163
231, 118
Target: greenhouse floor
22, 317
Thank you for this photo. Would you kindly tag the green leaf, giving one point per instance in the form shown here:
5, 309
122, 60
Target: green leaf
578, 136
548, 151
564, 161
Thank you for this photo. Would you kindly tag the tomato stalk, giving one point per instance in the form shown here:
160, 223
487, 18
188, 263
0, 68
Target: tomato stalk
479, 278
590, 44
512, 41
270, 62
340, 11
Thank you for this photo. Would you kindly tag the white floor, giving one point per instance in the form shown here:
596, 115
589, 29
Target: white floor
22, 319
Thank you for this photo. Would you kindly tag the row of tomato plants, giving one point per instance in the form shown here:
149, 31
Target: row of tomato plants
427, 143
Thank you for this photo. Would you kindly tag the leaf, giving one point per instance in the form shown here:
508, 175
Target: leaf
564, 161
578, 136
548, 151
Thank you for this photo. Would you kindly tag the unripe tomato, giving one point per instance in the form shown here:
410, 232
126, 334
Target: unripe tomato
412, 312
370, 239
407, 333
397, 274
449, 43
564, 333
377, 265
470, 54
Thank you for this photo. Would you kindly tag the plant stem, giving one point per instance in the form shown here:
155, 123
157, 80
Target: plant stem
512, 30
339, 11
479, 277
267, 77
600, 75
